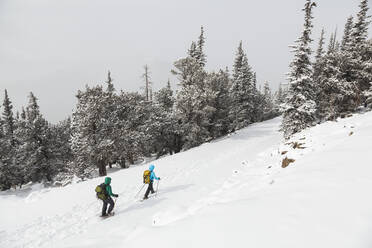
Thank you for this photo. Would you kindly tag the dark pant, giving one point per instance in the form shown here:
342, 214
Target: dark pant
104, 207
149, 189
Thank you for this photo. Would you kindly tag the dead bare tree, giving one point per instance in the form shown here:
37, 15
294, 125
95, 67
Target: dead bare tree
146, 77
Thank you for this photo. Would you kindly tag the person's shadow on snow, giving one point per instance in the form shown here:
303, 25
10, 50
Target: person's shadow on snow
153, 200
174, 188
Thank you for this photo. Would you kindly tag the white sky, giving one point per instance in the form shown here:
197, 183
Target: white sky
55, 47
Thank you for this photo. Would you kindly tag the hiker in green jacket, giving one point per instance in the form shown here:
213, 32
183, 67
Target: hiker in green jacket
108, 199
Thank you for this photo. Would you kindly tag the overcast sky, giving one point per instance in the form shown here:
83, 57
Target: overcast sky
55, 47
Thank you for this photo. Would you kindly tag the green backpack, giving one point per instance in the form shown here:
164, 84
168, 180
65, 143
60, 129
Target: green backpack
101, 191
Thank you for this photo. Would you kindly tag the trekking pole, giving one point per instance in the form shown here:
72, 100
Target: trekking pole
157, 189
139, 191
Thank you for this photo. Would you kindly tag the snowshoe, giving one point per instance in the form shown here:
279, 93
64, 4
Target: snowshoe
107, 215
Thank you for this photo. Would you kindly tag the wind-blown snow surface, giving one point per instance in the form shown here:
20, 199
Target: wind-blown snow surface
229, 193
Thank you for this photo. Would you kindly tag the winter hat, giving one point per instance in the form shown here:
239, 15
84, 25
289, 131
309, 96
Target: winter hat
107, 180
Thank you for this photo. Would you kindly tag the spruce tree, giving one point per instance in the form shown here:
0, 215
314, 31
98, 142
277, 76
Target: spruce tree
347, 39
110, 85
162, 123
257, 114
5, 168
280, 98
320, 49
38, 163
337, 92
199, 52
8, 119
360, 30
8, 171
134, 113
366, 72
368, 96
332, 47
60, 135
241, 92
164, 97
191, 98
21, 155
268, 104
300, 105
192, 51
218, 103
319, 61
190, 102
361, 65
93, 131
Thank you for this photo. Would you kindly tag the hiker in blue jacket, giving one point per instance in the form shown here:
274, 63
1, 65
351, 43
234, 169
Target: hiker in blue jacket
152, 178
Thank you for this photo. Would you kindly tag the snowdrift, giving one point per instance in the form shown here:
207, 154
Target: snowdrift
232, 192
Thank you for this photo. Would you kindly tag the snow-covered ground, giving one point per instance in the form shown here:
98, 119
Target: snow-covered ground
232, 192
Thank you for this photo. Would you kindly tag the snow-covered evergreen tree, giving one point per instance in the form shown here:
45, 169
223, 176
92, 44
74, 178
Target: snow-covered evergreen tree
319, 61
361, 61
192, 51
368, 96
110, 122
338, 90
164, 97
269, 110
8, 119
21, 155
347, 39
60, 135
360, 29
133, 113
332, 43
191, 98
5, 166
318, 67
190, 102
258, 114
196, 50
161, 125
241, 92
35, 151
9, 172
367, 71
300, 105
110, 85
92, 131
218, 103
199, 52
336, 94
280, 95
79, 137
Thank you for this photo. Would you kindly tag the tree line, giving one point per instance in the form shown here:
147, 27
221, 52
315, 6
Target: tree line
110, 127
339, 80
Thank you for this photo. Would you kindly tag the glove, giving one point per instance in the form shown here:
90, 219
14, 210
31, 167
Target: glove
158, 178
116, 195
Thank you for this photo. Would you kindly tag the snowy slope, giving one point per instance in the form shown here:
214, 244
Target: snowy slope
228, 193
